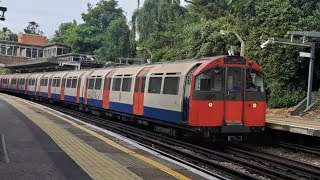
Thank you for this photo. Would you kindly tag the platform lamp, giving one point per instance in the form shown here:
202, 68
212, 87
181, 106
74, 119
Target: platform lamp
224, 32
148, 50
3, 9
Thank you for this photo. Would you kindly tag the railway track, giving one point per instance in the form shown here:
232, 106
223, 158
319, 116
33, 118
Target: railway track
219, 163
300, 148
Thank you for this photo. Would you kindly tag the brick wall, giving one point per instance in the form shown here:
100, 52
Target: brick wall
32, 39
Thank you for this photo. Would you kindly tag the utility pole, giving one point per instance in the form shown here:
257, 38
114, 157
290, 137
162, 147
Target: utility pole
311, 55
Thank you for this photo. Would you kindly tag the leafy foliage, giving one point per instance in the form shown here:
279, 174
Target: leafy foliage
8, 35
174, 32
103, 33
33, 28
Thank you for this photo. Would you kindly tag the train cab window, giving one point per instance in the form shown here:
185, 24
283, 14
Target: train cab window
210, 80
91, 83
234, 80
254, 81
126, 84
171, 85
74, 83
68, 85
98, 84
155, 85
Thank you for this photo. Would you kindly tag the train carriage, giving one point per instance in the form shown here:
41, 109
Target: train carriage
44, 89
57, 85
166, 90
122, 89
73, 86
13, 83
6, 82
222, 95
33, 84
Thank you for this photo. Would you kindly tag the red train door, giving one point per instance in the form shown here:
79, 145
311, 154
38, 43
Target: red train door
234, 96
106, 89
63, 85
138, 95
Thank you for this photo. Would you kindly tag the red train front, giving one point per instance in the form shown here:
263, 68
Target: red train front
228, 97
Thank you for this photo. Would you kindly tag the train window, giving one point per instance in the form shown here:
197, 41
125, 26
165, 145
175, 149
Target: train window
234, 79
155, 85
254, 81
210, 80
171, 85
91, 83
68, 85
46, 82
98, 83
116, 84
74, 83
54, 81
126, 84
58, 82
22, 81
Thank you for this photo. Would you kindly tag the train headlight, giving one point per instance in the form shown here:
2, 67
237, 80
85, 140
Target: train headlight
254, 105
210, 105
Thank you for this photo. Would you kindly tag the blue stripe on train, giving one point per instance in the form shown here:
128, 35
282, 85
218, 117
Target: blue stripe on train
55, 96
43, 94
163, 114
95, 102
31, 93
70, 98
126, 108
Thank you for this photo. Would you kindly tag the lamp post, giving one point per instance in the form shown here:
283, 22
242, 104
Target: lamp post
148, 50
225, 32
310, 55
3, 9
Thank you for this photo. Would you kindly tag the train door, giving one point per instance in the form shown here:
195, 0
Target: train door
234, 96
138, 96
94, 91
106, 89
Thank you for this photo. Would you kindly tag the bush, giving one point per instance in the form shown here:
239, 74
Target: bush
289, 99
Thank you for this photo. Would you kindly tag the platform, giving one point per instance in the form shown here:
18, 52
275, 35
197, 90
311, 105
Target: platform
40, 143
295, 124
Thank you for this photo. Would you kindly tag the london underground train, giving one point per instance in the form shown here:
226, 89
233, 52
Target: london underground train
215, 97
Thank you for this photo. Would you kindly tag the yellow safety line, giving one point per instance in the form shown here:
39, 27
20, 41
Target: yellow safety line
94, 163
156, 164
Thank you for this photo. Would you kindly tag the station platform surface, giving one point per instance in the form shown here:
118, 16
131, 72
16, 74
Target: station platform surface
39, 143
295, 124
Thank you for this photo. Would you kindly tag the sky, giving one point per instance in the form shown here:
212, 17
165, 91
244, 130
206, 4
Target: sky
49, 14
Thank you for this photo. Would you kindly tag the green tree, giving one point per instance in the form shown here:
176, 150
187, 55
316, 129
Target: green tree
115, 41
33, 28
8, 35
